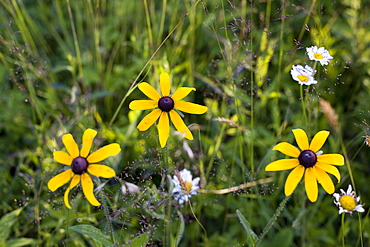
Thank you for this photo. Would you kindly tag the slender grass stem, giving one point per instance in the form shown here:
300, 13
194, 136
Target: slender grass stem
106, 212
200, 224
343, 230
272, 220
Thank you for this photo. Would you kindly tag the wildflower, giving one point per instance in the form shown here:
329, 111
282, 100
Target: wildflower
185, 185
347, 202
82, 165
165, 105
309, 162
303, 75
367, 140
319, 54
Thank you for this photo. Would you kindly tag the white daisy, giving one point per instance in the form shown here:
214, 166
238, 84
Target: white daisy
347, 202
185, 185
303, 75
319, 54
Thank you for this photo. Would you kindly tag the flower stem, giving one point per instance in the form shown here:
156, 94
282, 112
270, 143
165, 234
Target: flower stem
303, 105
273, 219
106, 212
343, 244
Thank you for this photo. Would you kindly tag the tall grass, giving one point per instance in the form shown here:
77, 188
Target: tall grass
71, 65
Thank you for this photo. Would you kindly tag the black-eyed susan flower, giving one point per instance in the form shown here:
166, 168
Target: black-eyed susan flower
165, 106
308, 161
185, 185
319, 54
303, 75
82, 164
348, 202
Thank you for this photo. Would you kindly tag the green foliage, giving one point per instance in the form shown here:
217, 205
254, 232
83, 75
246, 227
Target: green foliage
70, 65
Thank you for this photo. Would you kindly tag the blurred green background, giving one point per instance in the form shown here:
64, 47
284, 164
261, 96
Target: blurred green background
70, 65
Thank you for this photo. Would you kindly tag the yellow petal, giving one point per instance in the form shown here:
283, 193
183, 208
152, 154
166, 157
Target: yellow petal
281, 165
191, 107
149, 91
164, 81
88, 189
319, 140
324, 179
163, 129
293, 179
101, 171
301, 139
180, 125
87, 140
287, 149
310, 184
62, 158
70, 145
331, 159
104, 152
60, 180
181, 93
149, 120
76, 180
143, 104
329, 169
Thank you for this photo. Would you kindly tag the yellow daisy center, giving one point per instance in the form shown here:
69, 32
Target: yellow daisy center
79, 165
187, 187
347, 202
318, 56
303, 78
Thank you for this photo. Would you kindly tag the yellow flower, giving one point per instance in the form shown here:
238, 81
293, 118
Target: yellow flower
81, 165
309, 162
165, 105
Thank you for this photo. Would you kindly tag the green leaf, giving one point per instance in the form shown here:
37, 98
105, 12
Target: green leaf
251, 236
93, 233
20, 242
181, 229
140, 240
6, 224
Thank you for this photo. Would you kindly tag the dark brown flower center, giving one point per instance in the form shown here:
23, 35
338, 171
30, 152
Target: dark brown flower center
166, 104
79, 165
307, 158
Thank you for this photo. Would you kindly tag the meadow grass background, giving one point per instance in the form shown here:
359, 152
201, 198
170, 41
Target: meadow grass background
71, 65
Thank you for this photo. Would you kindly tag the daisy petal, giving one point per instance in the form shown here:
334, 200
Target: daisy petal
319, 140
324, 179
191, 107
180, 125
281, 165
149, 91
88, 189
293, 179
76, 180
181, 93
149, 120
164, 81
101, 171
104, 152
87, 140
310, 184
60, 180
331, 159
329, 169
287, 149
143, 104
70, 145
301, 139
62, 158
163, 129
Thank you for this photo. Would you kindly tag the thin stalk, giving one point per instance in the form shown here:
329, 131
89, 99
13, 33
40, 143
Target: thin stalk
272, 220
106, 213
343, 243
